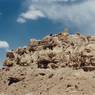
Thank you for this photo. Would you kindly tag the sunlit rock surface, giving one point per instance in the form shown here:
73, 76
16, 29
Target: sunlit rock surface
60, 64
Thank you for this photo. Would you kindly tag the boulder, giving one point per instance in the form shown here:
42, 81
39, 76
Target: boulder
25, 60
8, 62
20, 51
10, 55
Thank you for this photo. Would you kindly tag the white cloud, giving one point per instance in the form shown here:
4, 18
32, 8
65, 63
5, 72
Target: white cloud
79, 12
4, 44
55, 11
31, 14
21, 20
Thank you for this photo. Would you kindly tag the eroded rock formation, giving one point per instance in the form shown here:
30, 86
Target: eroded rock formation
41, 58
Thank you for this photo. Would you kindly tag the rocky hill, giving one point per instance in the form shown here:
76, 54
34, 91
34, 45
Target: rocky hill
59, 64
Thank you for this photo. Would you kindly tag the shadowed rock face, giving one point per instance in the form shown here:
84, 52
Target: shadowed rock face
40, 68
14, 80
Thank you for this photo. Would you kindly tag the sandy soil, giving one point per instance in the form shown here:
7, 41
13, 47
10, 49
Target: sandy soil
64, 81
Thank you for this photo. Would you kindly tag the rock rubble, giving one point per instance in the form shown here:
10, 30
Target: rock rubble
56, 51
43, 61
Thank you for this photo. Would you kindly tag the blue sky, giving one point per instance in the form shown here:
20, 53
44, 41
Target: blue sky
21, 20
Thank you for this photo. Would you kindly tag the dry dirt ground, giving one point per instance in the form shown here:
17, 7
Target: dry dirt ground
63, 81
61, 64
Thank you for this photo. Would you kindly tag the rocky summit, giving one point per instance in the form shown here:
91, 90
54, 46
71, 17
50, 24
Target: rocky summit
60, 64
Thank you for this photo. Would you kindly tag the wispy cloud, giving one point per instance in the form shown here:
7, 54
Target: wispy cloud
58, 10
80, 12
21, 20
31, 14
4, 44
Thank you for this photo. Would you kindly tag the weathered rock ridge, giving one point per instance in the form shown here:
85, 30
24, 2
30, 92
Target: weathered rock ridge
49, 66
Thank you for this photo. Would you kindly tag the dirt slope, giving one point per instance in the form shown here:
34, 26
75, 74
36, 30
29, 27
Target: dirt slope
59, 64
